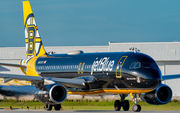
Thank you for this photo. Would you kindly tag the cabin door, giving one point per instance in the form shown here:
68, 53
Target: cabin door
119, 66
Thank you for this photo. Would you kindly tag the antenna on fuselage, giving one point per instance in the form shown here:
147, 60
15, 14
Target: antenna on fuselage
51, 52
134, 49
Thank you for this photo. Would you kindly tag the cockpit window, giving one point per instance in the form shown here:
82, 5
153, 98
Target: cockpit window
132, 65
154, 65
136, 65
145, 65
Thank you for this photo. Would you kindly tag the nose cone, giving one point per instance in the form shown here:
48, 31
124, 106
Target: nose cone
151, 74
154, 74
143, 70
144, 66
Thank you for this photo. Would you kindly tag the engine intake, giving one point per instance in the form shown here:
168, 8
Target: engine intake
160, 95
53, 94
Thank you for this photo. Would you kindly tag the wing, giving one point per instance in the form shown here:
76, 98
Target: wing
75, 83
168, 77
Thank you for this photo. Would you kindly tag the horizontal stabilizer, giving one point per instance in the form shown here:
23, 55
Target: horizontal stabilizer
12, 65
20, 77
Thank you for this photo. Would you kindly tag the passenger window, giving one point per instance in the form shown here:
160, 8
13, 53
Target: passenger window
132, 65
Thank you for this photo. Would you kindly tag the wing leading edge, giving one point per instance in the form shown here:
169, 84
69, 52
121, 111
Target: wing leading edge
168, 77
75, 83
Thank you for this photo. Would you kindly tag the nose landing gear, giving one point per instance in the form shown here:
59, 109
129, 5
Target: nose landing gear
136, 107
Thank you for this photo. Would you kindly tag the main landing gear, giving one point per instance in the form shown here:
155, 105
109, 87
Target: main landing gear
125, 104
57, 107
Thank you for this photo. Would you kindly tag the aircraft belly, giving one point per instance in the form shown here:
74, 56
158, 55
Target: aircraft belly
109, 80
126, 82
131, 81
109, 91
109, 84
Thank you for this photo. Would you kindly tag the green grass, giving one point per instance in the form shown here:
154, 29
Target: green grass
109, 105
86, 104
19, 104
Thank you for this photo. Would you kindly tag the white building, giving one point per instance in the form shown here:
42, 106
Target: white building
166, 54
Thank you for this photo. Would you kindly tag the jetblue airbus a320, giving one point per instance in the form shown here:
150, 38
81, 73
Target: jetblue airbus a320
56, 75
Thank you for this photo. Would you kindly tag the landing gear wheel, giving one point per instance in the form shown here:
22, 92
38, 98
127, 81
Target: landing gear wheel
136, 108
117, 105
139, 108
125, 105
57, 107
48, 107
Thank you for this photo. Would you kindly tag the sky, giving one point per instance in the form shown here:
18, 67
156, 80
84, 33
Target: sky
92, 22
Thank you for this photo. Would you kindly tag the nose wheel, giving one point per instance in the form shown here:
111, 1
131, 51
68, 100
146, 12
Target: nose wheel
136, 108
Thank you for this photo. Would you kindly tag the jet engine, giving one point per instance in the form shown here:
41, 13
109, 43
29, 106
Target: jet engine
161, 95
51, 94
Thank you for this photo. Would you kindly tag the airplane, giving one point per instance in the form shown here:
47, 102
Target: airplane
16, 91
56, 75
16, 88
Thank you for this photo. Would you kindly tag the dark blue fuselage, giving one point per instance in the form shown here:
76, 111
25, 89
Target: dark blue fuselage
121, 69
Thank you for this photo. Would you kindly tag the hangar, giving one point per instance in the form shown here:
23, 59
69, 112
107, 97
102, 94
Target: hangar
166, 54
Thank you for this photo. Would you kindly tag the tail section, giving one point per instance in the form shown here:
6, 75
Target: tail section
34, 46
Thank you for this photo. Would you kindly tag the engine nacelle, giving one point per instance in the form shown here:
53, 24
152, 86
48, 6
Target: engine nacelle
160, 95
51, 94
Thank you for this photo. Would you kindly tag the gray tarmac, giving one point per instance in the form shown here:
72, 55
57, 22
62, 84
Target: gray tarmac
80, 111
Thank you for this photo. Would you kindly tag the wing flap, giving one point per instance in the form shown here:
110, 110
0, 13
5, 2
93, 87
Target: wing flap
20, 77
